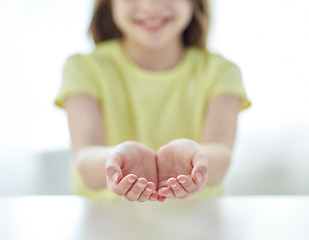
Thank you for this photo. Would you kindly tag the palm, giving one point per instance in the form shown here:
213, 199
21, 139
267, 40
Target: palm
139, 160
175, 159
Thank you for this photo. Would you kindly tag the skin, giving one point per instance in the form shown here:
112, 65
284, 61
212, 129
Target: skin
98, 163
182, 160
164, 45
126, 167
182, 169
132, 170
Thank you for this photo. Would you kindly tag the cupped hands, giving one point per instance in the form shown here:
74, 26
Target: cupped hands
137, 173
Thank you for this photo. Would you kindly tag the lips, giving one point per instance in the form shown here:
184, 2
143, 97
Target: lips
153, 24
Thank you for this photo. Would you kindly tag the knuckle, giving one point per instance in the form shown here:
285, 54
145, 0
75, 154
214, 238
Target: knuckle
112, 155
109, 170
130, 198
125, 198
202, 167
127, 184
195, 189
187, 196
132, 195
182, 196
180, 193
128, 143
184, 183
146, 194
136, 191
189, 189
177, 190
142, 199
116, 190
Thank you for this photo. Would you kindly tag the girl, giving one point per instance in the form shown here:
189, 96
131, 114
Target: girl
152, 113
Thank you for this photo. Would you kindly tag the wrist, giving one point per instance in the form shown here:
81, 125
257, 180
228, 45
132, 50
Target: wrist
219, 158
91, 166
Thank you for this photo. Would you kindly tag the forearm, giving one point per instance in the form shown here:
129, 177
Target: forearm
219, 156
91, 165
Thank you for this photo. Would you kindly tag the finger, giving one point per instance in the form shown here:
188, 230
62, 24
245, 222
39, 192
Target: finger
145, 195
177, 189
124, 185
161, 198
154, 196
199, 170
113, 169
134, 193
187, 183
166, 192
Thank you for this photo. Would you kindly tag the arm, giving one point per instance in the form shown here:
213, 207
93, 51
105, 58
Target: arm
113, 167
219, 134
87, 139
186, 167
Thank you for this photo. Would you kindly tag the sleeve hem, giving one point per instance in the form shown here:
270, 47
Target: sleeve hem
59, 101
246, 103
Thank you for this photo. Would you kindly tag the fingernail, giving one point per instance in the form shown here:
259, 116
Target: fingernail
148, 190
130, 180
174, 185
115, 177
140, 185
198, 177
182, 181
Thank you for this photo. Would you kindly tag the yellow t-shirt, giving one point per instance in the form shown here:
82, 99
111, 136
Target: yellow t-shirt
145, 106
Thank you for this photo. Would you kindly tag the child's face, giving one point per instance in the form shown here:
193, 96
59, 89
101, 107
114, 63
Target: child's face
152, 23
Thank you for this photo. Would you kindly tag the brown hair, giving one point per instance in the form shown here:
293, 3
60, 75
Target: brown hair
102, 26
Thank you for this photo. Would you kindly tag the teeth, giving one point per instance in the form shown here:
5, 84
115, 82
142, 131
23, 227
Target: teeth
155, 23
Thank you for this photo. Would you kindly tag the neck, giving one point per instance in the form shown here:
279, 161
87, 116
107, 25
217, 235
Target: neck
158, 59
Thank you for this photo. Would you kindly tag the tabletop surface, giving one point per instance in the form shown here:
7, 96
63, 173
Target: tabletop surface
232, 217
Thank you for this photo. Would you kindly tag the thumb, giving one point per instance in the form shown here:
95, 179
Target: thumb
113, 169
200, 167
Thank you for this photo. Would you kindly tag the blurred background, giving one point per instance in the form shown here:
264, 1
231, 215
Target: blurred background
268, 39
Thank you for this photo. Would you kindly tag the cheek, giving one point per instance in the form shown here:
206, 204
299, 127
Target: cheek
121, 14
185, 13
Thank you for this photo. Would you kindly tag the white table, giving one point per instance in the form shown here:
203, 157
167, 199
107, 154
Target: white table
71, 217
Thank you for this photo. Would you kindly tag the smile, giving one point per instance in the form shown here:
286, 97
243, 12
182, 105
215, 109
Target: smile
153, 25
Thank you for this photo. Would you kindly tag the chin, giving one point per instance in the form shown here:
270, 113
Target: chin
154, 45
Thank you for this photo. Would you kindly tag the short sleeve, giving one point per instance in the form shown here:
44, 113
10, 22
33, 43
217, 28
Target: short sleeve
229, 81
77, 78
